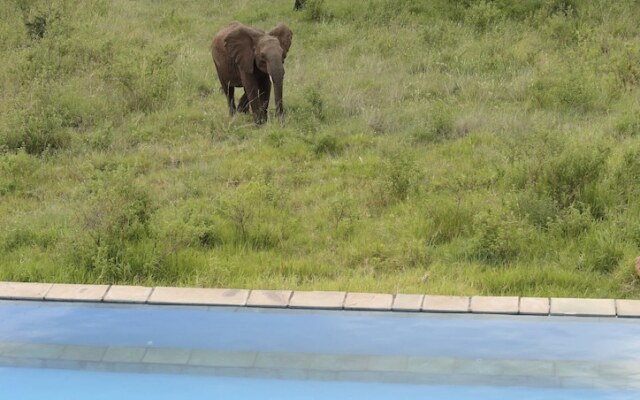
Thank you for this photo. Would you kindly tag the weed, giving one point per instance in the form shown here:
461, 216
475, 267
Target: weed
628, 125
500, 238
401, 176
602, 252
316, 11
328, 144
572, 178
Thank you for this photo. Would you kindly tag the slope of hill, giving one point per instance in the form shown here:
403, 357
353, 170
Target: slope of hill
453, 147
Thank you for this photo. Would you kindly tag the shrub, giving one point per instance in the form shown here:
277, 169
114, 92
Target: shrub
500, 238
315, 102
316, 11
626, 66
601, 251
626, 177
145, 80
566, 91
17, 171
441, 124
573, 177
117, 243
446, 221
36, 129
571, 222
483, 15
539, 210
255, 213
400, 176
628, 125
328, 144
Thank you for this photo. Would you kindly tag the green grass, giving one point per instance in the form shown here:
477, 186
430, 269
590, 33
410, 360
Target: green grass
453, 147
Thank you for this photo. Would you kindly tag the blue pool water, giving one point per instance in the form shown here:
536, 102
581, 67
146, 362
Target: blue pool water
63, 351
25, 384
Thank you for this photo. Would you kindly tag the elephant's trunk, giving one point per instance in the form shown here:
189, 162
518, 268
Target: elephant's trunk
276, 70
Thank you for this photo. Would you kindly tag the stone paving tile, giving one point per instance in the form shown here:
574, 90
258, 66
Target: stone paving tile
582, 369
629, 369
212, 358
478, 367
534, 305
583, 307
35, 350
23, 290
269, 298
407, 302
56, 363
164, 368
9, 346
449, 304
527, 367
368, 301
426, 365
83, 353
494, 304
166, 356
21, 362
388, 363
340, 362
577, 382
628, 308
124, 354
127, 294
321, 300
199, 296
284, 360
65, 292
323, 375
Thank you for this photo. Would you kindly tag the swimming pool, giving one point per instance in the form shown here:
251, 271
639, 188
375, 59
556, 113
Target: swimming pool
98, 351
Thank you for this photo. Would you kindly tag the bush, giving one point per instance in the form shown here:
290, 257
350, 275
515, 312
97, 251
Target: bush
446, 221
602, 251
116, 244
441, 124
626, 66
145, 80
36, 129
501, 238
628, 125
316, 11
483, 15
400, 176
566, 91
255, 213
328, 144
539, 210
17, 171
315, 102
573, 177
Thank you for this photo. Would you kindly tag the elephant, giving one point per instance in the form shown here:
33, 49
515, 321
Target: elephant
250, 58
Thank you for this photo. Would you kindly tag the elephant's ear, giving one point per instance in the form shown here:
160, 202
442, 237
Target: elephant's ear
284, 35
240, 43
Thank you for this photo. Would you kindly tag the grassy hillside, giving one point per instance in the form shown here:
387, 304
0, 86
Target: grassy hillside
453, 147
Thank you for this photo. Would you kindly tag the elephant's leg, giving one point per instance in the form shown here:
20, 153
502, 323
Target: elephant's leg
252, 90
265, 94
229, 94
243, 104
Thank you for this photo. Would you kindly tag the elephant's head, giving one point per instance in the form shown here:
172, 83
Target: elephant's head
252, 48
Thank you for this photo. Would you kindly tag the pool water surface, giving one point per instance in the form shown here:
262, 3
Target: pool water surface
99, 351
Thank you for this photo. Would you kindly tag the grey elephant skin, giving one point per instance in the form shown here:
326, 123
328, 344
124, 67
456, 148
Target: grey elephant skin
250, 58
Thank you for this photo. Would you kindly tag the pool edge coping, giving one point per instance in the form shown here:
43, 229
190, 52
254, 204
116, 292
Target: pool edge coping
320, 300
